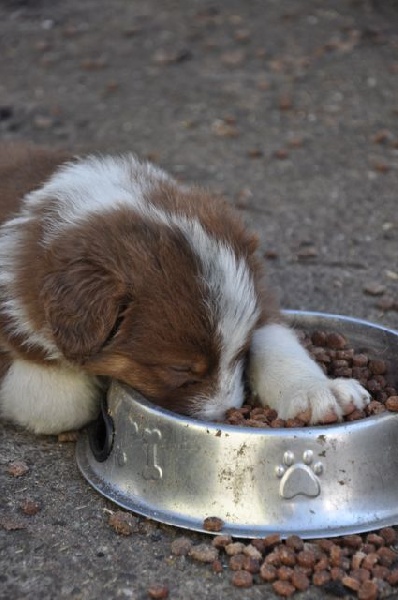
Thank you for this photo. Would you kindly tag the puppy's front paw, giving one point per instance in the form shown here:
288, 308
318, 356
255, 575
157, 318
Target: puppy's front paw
323, 401
284, 376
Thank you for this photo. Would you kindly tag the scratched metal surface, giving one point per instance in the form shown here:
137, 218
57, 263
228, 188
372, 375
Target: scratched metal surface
313, 481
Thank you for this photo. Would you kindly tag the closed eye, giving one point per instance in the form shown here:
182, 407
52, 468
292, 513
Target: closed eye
189, 383
187, 373
182, 376
181, 368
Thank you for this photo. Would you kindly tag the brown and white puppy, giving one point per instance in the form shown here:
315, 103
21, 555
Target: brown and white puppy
109, 267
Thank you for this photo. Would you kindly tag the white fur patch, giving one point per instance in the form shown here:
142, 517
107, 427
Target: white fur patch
94, 185
284, 377
48, 399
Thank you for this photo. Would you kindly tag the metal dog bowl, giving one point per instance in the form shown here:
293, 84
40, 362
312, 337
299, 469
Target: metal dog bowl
314, 481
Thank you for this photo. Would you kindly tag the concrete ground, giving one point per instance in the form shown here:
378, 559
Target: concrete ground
290, 110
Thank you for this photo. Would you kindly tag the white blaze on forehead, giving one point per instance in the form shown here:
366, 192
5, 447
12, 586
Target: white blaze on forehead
231, 286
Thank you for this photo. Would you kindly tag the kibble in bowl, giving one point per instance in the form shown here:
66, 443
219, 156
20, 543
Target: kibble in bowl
338, 358
294, 479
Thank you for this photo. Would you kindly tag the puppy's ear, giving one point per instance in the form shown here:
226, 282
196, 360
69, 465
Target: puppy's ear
82, 305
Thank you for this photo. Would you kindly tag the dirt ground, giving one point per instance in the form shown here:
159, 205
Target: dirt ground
290, 110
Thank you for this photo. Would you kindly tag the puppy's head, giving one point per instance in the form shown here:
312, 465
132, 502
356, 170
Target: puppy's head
166, 307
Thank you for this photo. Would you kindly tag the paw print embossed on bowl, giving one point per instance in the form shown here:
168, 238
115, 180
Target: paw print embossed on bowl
301, 477
312, 481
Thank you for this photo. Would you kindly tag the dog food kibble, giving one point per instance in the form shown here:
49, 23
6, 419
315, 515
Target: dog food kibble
17, 468
242, 579
320, 577
392, 577
335, 341
295, 542
213, 524
287, 556
332, 352
252, 552
300, 580
362, 566
236, 562
124, 523
272, 540
252, 565
351, 583
158, 591
392, 403
205, 553
285, 573
368, 591
181, 546
234, 548
268, 572
220, 541
306, 559
283, 588
389, 535
30, 507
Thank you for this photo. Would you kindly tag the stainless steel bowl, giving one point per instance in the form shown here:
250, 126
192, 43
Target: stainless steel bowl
313, 481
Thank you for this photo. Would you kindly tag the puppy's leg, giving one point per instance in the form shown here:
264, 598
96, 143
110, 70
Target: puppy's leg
48, 399
285, 377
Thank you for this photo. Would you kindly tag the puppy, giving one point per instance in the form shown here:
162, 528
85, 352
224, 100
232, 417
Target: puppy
111, 269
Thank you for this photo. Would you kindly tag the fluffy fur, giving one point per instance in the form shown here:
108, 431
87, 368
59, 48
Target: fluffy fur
111, 269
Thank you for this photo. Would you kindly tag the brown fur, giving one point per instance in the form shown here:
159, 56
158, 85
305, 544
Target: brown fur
24, 168
100, 288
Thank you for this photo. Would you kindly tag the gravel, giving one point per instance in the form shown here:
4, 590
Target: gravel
288, 109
